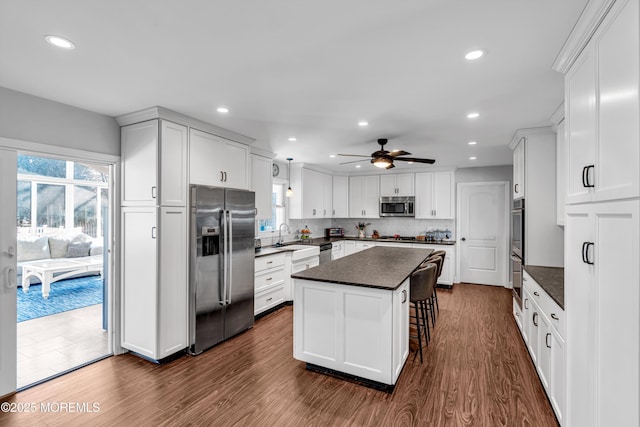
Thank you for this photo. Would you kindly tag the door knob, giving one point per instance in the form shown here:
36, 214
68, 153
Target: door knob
463, 239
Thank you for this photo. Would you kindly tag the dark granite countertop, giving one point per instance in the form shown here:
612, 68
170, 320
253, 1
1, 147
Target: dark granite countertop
551, 279
377, 267
321, 240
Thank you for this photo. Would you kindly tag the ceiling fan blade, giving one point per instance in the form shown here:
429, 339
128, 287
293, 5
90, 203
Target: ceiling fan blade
395, 153
415, 160
352, 155
390, 166
355, 161
380, 153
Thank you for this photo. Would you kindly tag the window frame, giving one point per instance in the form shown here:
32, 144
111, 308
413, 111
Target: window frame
285, 206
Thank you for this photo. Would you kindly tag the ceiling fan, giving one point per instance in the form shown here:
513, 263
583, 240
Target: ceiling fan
384, 159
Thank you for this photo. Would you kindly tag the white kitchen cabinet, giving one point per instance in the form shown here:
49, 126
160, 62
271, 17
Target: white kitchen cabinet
364, 193
519, 166
603, 107
337, 250
435, 195
312, 194
558, 374
349, 247
603, 313
361, 246
561, 177
154, 164
261, 184
340, 202
397, 185
154, 280
270, 282
217, 161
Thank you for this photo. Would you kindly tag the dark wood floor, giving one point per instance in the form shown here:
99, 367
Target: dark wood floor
476, 372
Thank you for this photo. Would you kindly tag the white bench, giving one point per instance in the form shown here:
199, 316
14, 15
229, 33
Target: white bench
52, 270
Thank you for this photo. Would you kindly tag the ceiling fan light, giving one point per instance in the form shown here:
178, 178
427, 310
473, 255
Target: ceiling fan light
381, 162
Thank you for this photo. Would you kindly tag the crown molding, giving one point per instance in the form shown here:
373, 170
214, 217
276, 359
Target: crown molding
158, 112
588, 22
557, 116
522, 133
261, 152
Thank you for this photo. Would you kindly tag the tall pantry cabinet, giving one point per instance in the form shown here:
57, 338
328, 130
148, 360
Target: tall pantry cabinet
154, 238
600, 61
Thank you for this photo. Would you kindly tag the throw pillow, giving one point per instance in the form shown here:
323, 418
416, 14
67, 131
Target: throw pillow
30, 249
58, 245
78, 249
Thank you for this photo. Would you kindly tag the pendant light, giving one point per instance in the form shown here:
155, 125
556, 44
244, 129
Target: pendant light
289, 190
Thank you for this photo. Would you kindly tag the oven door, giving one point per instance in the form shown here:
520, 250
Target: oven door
516, 276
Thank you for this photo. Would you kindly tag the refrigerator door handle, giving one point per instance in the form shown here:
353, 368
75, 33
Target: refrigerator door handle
230, 256
225, 255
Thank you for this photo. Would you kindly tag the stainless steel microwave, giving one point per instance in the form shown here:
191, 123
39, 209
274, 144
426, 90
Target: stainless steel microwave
397, 206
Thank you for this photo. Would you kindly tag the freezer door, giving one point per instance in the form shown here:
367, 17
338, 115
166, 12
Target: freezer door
206, 303
240, 206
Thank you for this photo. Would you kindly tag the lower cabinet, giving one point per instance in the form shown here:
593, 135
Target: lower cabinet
154, 280
542, 330
271, 282
337, 250
349, 247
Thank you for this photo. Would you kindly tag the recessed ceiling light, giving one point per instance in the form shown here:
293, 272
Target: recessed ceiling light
472, 142
60, 42
292, 139
473, 115
358, 166
363, 123
475, 54
333, 156
222, 110
472, 158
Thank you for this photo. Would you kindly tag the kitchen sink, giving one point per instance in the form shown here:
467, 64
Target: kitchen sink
303, 251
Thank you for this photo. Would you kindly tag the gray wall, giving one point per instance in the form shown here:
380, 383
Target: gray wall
29, 118
489, 173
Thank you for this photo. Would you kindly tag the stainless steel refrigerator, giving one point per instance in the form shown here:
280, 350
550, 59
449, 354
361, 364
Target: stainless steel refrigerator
221, 271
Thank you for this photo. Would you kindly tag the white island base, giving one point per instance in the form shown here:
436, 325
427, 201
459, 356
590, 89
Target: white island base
354, 332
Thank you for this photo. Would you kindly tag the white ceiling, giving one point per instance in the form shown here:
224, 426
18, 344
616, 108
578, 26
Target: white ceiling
306, 69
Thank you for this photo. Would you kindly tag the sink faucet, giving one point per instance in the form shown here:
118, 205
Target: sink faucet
280, 232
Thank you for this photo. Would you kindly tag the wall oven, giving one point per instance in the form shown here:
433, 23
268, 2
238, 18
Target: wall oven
397, 206
517, 248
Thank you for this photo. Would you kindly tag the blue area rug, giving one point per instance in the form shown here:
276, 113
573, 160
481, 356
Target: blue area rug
65, 295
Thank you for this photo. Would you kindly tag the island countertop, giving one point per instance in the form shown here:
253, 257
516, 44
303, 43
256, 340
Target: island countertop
377, 267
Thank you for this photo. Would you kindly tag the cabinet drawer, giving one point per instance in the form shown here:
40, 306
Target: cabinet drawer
269, 298
270, 261
547, 305
269, 279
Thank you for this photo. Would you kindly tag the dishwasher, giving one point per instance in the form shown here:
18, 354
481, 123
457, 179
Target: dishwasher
325, 252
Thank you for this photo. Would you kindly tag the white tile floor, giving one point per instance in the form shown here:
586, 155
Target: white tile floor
52, 344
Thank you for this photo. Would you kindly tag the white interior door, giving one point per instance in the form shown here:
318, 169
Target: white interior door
8, 346
483, 225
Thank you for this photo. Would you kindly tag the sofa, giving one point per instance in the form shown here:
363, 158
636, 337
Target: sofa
79, 247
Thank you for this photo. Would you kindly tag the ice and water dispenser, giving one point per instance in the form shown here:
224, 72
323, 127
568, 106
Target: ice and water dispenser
210, 241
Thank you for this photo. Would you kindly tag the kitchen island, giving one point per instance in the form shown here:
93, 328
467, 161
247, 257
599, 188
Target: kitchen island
351, 315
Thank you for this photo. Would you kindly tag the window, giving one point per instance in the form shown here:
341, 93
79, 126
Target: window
278, 210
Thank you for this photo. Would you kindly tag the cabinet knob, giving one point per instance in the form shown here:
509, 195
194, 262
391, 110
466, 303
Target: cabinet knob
464, 239
553, 316
536, 293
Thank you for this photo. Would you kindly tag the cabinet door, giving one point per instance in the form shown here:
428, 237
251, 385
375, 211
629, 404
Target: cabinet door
139, 154
448, 269
424, 195
371, 197
388, 185
557, 381
560, 173
311, 194
526, 317
356, 184
544, 350
361, 246
400, 328
340, 197
443, 195
580, 96
234, 163
327, 196
518, 169
261, 184
173, 164
349, 247
618, 151
205, 160
139, 280
404, 184
173, 281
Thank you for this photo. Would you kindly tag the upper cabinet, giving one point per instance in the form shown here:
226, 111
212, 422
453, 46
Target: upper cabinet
154, 164
518, 170
601, 112
261, 184
312, 194
340, 207
217, 161
397, 185
364, 193
435, 195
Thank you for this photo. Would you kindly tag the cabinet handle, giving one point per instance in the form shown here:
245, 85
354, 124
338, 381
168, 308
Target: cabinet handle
515, 188
225, 177
404, 296
269, 299
333, 212
546, 340
535, 316
536, 293
553, 316
154, 191
324, 212
585, 176
221, 176
269, 278
153, 232
526, 300
269, 262
585, 252
517, 314
314, 211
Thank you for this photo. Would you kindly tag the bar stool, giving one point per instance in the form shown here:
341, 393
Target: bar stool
421, 288
441, 254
